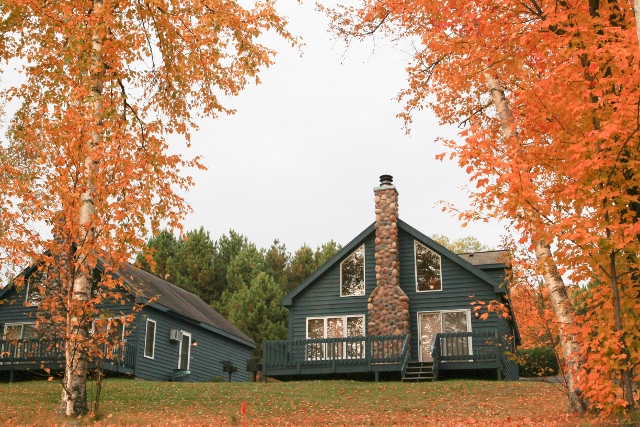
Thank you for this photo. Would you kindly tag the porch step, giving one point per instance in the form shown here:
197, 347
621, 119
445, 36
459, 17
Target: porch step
418, 372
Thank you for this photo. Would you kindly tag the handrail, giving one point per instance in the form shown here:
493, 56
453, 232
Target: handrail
335, 351
52, 351
406, 352
435, 353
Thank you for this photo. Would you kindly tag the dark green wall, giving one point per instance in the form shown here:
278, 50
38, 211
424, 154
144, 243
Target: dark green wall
13, 309
205, 358
458, 284
322, 298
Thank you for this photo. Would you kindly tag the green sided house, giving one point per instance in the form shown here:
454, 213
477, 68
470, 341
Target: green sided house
175, 337
395, 300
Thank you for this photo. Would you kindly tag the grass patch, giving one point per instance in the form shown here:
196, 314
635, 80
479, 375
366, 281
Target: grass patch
128, 402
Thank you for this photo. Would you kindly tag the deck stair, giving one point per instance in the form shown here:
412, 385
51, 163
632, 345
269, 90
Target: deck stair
418, 372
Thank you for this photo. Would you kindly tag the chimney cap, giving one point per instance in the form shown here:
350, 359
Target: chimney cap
386, 180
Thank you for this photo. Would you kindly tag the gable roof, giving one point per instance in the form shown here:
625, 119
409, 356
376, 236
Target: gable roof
169, 298
175, 300
486, 258
288, 299
25, 272
451, 256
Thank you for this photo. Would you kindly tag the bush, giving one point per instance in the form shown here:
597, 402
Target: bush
537, 362
216, 379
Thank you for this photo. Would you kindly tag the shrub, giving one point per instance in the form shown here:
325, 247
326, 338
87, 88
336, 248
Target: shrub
537, 362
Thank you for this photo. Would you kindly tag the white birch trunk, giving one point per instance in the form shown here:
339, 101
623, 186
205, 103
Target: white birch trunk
636, 11
553, 281
564, 318
74, 392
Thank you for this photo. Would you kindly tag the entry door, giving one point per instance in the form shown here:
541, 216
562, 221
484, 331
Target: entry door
185, 352
430, 325
448, 321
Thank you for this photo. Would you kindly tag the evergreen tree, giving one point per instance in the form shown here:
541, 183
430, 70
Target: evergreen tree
226, 248
162, 249
242, 269
257, 310
193, 264
301, 266
276, 259
325, 252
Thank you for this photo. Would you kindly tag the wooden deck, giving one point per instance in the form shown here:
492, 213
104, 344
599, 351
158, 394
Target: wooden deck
335, 355
450, 352
17, 355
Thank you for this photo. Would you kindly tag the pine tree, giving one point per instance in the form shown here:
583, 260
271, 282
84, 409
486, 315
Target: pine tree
257, 310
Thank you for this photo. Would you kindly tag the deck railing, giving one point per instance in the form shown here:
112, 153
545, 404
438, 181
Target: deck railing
482, 346
31, 351
467, 346
328, 351
51, 352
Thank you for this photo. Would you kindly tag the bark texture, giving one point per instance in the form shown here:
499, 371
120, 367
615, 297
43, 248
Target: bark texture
552, 279
565, 318
636, 11
74, 392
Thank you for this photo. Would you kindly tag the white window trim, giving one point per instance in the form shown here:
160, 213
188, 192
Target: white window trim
155, 333
344, 322
26, 296
4, 330
415, 266
364, 271
344, 319
184, 334
469, 329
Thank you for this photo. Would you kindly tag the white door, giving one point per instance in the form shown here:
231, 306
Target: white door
185, 352
429, 324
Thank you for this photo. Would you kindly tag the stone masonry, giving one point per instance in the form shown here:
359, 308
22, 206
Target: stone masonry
388, 305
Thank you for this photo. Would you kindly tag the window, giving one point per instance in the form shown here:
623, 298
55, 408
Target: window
150, 339
334, 327
114, 327
428, 271
20, 331
184, 352
35, 285
352, 274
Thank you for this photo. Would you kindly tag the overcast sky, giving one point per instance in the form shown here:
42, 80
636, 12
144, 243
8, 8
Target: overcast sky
300, 158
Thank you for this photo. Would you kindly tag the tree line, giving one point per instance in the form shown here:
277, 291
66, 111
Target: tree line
242, 282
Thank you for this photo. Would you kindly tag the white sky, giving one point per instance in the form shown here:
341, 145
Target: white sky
300, 158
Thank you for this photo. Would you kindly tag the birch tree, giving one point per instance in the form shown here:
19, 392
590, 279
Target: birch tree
559, 160
104, 82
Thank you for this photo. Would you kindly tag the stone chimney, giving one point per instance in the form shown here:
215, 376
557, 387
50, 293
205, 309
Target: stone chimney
388, 304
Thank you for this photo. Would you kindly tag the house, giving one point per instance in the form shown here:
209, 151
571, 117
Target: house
395, 300
174, 337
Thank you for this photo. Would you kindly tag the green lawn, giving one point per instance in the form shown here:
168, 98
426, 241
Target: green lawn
445, 403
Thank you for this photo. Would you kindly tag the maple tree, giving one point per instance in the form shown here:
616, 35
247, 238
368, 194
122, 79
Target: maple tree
548, 96
103, 84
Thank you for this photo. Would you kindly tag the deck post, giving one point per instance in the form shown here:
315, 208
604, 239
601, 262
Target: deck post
376, 376
11, 375
264, 361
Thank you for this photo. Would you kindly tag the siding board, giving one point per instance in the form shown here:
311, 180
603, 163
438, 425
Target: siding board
322, 297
